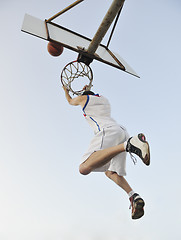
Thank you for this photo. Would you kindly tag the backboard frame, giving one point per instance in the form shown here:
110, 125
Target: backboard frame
51, 31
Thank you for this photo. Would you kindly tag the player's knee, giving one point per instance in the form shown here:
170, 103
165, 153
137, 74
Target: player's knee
84, 170
109, 174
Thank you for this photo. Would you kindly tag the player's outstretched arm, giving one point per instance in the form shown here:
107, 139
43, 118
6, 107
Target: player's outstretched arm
80, 100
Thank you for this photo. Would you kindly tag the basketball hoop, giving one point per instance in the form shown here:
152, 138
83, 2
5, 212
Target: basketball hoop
74, 70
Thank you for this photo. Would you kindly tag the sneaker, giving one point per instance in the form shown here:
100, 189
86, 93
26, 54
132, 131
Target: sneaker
140, 147
137, 204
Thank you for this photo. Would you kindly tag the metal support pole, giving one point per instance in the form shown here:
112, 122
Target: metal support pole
106, 23
114, 27
64, 10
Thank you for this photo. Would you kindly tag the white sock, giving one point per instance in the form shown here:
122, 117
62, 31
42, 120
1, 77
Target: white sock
130, 194
125, 144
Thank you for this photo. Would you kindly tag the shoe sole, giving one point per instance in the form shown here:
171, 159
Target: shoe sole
146, 159
139, 210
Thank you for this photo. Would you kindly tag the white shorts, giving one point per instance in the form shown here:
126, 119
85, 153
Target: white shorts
109, 137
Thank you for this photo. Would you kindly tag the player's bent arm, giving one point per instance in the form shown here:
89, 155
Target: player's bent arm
76, 101
80, 100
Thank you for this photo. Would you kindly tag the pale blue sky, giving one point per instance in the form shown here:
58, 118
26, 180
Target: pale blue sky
42, 138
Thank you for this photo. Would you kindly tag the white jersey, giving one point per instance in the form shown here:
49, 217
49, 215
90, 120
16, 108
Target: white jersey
97, 112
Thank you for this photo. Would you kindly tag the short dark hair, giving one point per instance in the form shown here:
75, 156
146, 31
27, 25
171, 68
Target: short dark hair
88, 93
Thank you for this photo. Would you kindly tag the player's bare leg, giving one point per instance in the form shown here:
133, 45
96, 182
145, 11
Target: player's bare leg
119, 180
100, 158
137, 145
137, 203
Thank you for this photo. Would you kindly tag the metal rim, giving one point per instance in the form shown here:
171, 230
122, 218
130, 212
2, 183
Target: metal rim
74, 70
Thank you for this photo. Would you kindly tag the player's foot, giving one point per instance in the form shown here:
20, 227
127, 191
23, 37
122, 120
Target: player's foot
139, 146
137, 204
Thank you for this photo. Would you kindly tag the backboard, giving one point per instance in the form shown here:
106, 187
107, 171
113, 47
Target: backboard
73, 41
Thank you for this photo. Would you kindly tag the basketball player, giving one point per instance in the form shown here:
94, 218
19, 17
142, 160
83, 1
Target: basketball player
108, 148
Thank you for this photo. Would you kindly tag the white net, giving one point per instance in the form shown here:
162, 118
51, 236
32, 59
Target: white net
72, 72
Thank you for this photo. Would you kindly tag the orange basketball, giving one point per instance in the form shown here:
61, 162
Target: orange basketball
55, 49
